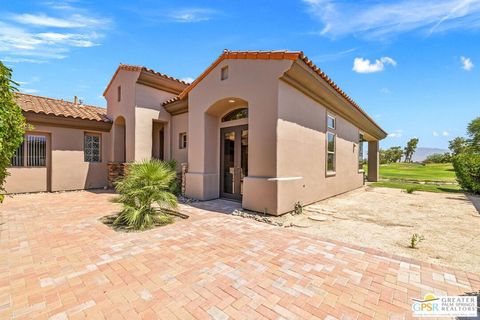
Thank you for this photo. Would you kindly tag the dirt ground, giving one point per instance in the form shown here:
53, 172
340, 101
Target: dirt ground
385, 219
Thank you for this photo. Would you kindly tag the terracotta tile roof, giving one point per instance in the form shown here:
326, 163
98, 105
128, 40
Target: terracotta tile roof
270, 55
129, 67
264, 55
60, 108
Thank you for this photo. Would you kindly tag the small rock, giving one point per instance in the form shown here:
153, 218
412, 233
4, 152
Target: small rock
317, 217
301, 224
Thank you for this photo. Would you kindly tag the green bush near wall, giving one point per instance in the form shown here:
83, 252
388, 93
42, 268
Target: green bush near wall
467, 169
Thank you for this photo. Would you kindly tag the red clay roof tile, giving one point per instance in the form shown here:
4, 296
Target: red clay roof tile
129, 67
60, 108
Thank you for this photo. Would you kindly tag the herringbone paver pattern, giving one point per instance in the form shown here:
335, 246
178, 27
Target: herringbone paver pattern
58, 261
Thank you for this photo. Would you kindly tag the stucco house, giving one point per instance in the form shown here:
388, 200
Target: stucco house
267, 128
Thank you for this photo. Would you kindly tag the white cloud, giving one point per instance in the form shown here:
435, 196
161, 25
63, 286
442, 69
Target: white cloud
377, 19
443, 133
191, 15
38, 37
27, 90
362, 65
41, 19
396, 134
188, 79
467, 63
332, 56
385, 91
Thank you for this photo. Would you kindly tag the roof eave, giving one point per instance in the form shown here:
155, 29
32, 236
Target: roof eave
311, 80
63, 121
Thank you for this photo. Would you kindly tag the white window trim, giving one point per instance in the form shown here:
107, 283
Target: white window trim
181, 144
333, 172
329, 115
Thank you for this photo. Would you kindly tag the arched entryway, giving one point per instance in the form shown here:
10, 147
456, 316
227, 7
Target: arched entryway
232, 115
119, 136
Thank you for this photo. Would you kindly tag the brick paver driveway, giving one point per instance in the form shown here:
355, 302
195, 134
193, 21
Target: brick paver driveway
58, 261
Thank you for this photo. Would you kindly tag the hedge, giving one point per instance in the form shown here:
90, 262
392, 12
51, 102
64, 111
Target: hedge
467, 169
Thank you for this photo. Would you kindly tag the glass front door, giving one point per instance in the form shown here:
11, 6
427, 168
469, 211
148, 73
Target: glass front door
234, 161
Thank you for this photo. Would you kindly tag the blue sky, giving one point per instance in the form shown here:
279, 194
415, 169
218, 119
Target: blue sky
411, 64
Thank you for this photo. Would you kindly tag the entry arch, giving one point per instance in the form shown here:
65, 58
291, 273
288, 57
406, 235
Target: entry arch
119, 139
228, 119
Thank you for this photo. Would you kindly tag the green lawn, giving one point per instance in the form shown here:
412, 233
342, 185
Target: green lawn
404, 175
442, 172
419, 187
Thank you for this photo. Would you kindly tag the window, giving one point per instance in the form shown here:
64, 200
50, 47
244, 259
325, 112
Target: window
182, 140
18, 157
32, 152
331, 123
224, 73
236, 114
330, 152
119, 93
360, 151
92, 147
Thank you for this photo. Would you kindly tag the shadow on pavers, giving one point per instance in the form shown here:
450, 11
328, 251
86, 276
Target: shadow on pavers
475, 200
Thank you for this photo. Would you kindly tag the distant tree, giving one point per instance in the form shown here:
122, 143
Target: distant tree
392, 155
397, 154
473, 131
12, 123
439, 158
410, 149
457, 145
383, 156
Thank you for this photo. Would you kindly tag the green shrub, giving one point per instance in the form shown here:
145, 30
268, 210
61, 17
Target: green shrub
467, 169
145, 184
175, 186
298, 208
410, 189
415, 240
12, 123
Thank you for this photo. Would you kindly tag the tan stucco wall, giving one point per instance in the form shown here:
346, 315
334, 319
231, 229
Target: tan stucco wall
26, 180
301, 151
203, 148
125, 108
68, 171
148, 108
179, 124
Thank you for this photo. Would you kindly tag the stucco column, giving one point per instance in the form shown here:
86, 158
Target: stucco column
373, 161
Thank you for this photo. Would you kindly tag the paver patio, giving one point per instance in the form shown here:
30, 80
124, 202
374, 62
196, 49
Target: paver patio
59, 261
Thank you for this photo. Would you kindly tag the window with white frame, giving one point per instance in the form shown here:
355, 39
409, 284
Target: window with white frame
331, 122
182, 140
92, 147
360, 151
32, 152
330, 152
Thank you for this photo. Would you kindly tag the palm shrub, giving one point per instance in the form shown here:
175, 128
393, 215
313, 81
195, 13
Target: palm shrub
467, 170
174, 185
145, 184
